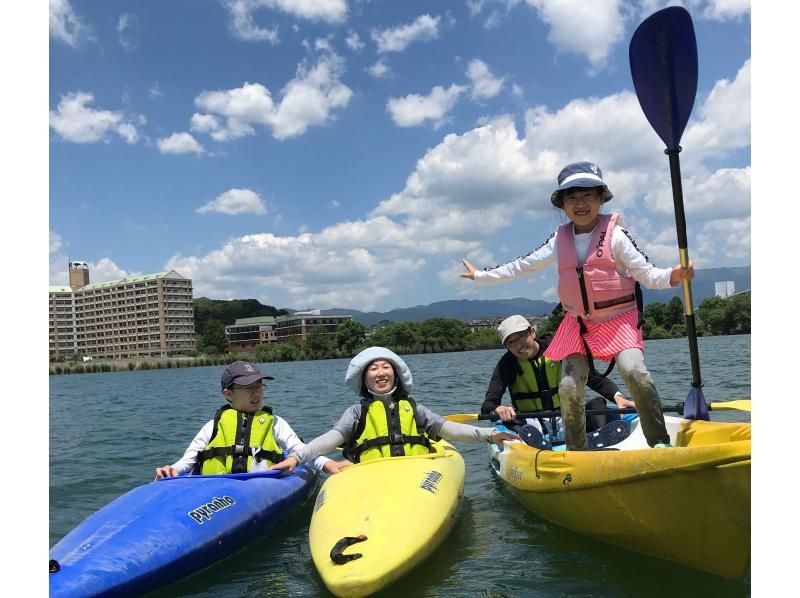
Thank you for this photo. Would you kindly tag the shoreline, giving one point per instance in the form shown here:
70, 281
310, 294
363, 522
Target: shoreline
131, 365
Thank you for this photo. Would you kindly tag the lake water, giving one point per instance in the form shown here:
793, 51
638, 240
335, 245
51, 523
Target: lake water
110, 430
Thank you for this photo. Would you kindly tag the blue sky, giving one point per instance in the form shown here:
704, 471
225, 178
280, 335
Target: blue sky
347, 153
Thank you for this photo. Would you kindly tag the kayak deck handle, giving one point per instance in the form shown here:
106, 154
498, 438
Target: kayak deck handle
338, 557
55, 567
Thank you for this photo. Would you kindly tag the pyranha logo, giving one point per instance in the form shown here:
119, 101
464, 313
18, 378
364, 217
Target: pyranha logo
431, 482
204, 512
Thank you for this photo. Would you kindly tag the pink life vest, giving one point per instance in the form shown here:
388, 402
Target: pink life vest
596, 289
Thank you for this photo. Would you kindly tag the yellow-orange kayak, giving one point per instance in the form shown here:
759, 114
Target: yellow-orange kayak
689, 504
374, 500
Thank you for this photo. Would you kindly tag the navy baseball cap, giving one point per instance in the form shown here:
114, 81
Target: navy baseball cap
241, 373
579, 174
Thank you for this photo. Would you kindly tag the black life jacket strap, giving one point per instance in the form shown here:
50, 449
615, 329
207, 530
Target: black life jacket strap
387, 441
637, 290
589, 357
240, 451
202, 455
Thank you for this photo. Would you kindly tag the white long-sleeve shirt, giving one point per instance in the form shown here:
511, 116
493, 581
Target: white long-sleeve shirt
628, 257
285, 437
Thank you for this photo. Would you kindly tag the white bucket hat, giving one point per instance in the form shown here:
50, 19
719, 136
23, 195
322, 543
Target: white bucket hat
354, 377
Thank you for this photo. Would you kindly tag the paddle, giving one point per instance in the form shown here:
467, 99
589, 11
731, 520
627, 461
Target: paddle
663, 59
740, 405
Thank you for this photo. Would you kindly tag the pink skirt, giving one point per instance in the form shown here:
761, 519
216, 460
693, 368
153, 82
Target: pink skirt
605, 339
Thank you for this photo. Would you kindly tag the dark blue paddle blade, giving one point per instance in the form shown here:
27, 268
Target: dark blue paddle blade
695, 406
663, 58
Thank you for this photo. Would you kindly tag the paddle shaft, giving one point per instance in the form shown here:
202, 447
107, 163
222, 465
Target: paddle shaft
610, 411
680, 225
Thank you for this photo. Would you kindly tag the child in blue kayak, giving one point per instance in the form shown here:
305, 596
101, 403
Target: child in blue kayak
387, 422
599, 272
244, 434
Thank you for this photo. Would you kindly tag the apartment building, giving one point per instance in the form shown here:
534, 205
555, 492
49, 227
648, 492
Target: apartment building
298, 325
140, 316
246, 334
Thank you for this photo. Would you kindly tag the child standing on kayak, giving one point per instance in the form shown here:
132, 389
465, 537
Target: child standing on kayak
387, 422
599, 267
244, 435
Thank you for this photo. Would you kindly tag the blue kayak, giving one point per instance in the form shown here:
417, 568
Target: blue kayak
163, 531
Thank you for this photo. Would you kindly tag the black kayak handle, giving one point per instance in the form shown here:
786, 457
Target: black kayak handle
338, 557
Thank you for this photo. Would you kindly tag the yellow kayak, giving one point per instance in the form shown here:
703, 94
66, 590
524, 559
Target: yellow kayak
689, 504
373, 501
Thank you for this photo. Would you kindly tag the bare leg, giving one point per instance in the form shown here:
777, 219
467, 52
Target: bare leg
571, 390
643, 390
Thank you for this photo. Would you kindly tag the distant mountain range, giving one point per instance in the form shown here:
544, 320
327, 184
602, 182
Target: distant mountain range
703, 286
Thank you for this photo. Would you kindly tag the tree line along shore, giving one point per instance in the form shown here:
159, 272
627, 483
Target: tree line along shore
714, 316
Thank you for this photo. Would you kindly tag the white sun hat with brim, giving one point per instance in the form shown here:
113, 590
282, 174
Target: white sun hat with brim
354, 377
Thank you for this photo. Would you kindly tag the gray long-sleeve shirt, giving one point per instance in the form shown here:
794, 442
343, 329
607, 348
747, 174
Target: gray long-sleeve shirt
431, 423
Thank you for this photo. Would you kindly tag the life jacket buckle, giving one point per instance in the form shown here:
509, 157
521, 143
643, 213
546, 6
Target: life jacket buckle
238, 450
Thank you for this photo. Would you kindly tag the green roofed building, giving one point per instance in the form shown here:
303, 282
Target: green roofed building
139, 316
247, 333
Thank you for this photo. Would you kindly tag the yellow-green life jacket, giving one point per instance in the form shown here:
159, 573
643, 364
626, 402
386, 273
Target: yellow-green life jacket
536, 388
233, 439
387, 428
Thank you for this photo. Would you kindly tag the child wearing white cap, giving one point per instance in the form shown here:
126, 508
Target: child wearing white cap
600, 268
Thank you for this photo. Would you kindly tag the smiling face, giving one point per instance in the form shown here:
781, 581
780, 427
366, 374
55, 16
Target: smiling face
582, 206
247, 399
523, 344
379, 376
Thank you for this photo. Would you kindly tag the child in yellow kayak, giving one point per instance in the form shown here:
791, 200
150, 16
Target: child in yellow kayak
599, 271
387, 422
243, 419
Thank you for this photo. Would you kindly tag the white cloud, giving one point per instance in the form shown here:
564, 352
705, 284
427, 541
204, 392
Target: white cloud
484, 84
720, 10
379, 70
105, 270
75, 121
179, 143
244, 27
588, 28
334, 204
353, 41
55, 242
307, 100
474, 185
725, 116
127, 27
414, 109
235, 201
398, 39
721, 194
155, 91
329, 268
65, 25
